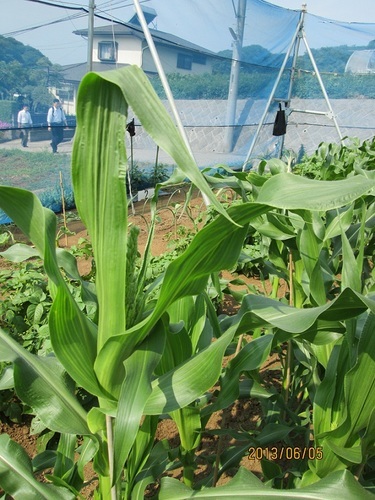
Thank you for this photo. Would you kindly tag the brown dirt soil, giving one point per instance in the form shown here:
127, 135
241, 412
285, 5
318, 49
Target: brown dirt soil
242, 415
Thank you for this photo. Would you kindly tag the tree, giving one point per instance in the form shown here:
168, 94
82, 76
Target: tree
26, 71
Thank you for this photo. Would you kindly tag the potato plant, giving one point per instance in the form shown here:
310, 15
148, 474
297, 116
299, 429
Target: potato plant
142, 359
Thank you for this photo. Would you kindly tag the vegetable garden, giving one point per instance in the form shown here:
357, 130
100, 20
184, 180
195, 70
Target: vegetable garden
127, 346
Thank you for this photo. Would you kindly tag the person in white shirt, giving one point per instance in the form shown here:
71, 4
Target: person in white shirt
56, 122
24, 122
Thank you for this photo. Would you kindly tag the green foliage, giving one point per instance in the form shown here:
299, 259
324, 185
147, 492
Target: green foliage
141, 358
335, 161
258, 84
7, 109
146, 177
13, 50
254, 58
328, 59
25, 306
26, 71
338, 86
259, 69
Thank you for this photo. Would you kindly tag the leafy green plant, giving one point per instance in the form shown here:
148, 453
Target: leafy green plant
25, 305
318, 253
337, 161
141, 359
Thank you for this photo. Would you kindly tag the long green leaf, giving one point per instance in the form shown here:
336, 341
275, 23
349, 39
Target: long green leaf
135, 390
246, 485
357, 407
98, 175
16, 475
183, 385
249, 358
74, 342
214, 248
40, 383
258, 311
290, 191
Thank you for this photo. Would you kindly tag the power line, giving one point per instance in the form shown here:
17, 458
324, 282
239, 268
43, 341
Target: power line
50, 23
52, 4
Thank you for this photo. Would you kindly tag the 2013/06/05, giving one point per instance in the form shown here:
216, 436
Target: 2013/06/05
288, 453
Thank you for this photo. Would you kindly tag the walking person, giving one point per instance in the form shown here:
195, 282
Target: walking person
56, 121
24, 122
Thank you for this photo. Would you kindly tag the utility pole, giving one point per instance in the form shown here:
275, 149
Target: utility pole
90, 35
235, 74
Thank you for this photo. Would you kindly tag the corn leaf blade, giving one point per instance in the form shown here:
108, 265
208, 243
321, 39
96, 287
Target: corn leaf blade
291, 192
40, 383
16, 475
246, 485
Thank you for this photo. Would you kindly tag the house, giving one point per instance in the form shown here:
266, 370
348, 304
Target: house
119, 45
361, 62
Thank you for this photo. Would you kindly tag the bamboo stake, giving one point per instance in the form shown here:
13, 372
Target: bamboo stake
288, 363
63, 208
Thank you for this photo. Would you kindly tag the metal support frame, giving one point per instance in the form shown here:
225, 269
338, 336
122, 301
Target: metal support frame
234, 73
164, 81
293, 49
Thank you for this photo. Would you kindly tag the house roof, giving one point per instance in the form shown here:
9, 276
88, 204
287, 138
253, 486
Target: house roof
75, 72
159, 37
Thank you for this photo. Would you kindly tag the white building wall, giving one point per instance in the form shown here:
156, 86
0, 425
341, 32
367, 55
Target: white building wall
168, 57
129, 49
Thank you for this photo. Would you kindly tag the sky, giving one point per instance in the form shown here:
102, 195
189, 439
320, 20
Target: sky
23, 20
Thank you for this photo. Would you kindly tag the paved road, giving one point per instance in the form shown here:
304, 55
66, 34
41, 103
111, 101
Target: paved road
32, 147
141, 155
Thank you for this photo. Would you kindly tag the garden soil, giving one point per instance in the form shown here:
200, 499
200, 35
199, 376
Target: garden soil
242, 415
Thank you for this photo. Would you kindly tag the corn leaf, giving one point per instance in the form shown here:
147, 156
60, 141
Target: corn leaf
135, 390
246, 485
19, 252
258, 311
42, 384
251, 357
16, 475
39, 225
98, 175
309, 246
357, 409
214, 248
291, 192
183, 385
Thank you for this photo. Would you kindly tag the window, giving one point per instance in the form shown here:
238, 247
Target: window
199, 58
184, 61
107, 51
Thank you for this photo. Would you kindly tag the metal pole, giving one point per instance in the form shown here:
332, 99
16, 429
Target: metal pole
90, 35
270, 99
322, 87
234, 75
293, 74
164, 81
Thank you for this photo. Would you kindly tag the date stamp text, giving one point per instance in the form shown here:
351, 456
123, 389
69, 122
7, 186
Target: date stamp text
286, 453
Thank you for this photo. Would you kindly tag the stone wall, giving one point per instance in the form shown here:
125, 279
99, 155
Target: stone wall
205, 120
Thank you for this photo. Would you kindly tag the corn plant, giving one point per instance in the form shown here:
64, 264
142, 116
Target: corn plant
327, 251
139, 359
